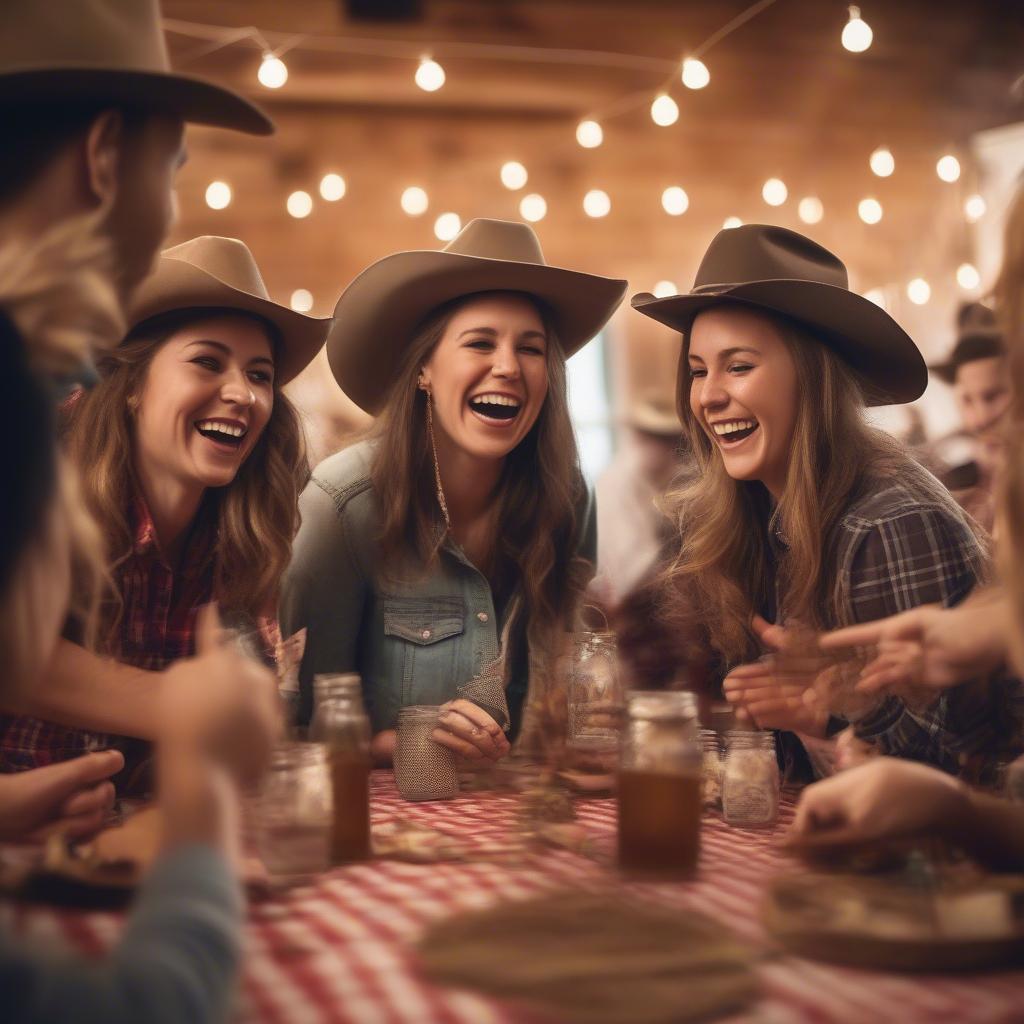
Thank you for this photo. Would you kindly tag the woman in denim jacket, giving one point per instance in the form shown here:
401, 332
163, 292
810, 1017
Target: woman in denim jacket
459, 537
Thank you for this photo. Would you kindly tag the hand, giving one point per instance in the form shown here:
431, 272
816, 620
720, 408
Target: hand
72, 797
885, 799
470, 731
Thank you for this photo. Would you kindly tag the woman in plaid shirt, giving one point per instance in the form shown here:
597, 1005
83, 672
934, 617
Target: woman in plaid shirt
803, 514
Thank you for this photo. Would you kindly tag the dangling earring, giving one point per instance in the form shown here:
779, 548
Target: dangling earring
424, 386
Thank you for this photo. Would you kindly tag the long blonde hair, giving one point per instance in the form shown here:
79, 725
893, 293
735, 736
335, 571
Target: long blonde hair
257, 514
541, 492
723, 566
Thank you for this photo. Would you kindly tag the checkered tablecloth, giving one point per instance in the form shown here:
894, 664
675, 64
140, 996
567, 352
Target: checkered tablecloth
341, 950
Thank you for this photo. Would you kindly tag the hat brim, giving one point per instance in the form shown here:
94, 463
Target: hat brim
186, 286
378, 313
193, 99
860, 332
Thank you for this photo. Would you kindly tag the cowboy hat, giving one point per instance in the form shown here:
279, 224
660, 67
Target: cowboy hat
377, 315
781, 271
210, 272
107, 51
654, 412
979, 337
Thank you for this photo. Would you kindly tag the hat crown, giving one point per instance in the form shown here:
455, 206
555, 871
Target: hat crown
763, 252
226, 259
497, 240
120, 35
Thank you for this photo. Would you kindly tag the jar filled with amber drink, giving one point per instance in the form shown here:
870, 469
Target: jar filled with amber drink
341, 724
660, 785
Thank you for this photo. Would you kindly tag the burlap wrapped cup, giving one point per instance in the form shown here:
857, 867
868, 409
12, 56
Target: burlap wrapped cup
424, 770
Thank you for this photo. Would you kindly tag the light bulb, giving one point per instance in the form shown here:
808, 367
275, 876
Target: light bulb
675, 201
695, 73
533, 207
731, 222
513, 175
218, 195
774, 192
967, 277
429, 75
810, 210
974, 208
596, 203
882, 162
332, 187
919, 291
300, 204
414, 201
948, 168
301, 300
272, 73
664, 111
447, 226
663, 289
589, 134
857, 34
869, 211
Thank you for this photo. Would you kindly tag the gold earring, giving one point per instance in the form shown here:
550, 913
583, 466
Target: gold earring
433, 451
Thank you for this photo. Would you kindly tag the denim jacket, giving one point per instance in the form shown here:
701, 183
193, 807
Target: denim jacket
415, 640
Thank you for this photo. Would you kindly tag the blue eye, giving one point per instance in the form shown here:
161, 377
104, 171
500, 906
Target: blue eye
740, 367
696, 371
260, 376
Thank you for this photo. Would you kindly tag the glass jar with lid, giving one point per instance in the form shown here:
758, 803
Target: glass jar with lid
750, 779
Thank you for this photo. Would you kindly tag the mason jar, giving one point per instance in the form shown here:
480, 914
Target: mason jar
424, 769
750, 779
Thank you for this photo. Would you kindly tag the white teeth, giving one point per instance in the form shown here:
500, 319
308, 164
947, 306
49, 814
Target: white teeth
721, 429
221, 428
496, 400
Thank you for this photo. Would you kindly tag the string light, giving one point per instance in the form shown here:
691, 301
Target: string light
967, 277
810, 210
664, 111
513, 175
663, 289
877, 296
919, 291
695, 74
429, 75
774, 192
974, 208
883, 163
300, 204
948, 168
218, 195
597, 203
675, 201
301, 300
272, 73
731, 222
332, 187
447, 226
414, 201
869, 210
589, 134
857, 34
533, 207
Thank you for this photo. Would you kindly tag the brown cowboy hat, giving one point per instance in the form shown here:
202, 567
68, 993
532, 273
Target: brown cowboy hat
783, 272
979, 337
210, 272
378, 313
654, 412
108, 51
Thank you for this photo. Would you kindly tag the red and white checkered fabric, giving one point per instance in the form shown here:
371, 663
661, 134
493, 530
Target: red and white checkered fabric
341, 950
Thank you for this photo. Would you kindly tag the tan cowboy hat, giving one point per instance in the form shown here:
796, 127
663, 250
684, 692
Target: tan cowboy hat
654, 412
781, 271
107, 51
220, 273
979, 337
378, 313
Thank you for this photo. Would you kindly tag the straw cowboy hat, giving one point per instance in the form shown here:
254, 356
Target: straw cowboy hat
654, 412
220, 273
781, 271
108, 51
979, 337
377, 315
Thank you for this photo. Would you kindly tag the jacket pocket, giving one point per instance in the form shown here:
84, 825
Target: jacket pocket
425, 636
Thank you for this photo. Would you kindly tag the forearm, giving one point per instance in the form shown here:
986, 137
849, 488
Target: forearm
992, 831
382, 748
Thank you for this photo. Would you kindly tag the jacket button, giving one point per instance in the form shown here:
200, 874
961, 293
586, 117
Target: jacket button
482, 616
425, 634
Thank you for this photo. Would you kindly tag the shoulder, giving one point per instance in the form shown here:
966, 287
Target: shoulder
343, 481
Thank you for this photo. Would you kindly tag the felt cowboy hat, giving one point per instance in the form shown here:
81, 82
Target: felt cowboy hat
107, 51
219, 273
780, 271
979, 337
377, 315
654, 412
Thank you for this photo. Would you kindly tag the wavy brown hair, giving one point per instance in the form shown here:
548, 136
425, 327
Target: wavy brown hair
541, 492
723, 566
257, 513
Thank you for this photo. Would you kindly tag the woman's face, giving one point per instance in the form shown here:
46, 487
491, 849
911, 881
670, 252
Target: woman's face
488, 374
206, 400
743, 392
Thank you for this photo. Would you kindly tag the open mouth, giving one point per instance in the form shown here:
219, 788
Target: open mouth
497, 408
228, 435
733, 431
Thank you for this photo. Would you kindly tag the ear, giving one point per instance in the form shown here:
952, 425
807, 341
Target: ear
423, 381
103, 155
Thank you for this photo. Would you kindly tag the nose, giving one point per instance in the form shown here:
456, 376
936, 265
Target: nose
506, 363
712, 394
236, 390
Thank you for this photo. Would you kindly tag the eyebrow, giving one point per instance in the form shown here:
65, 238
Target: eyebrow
492, 333
727, 352
227, 350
